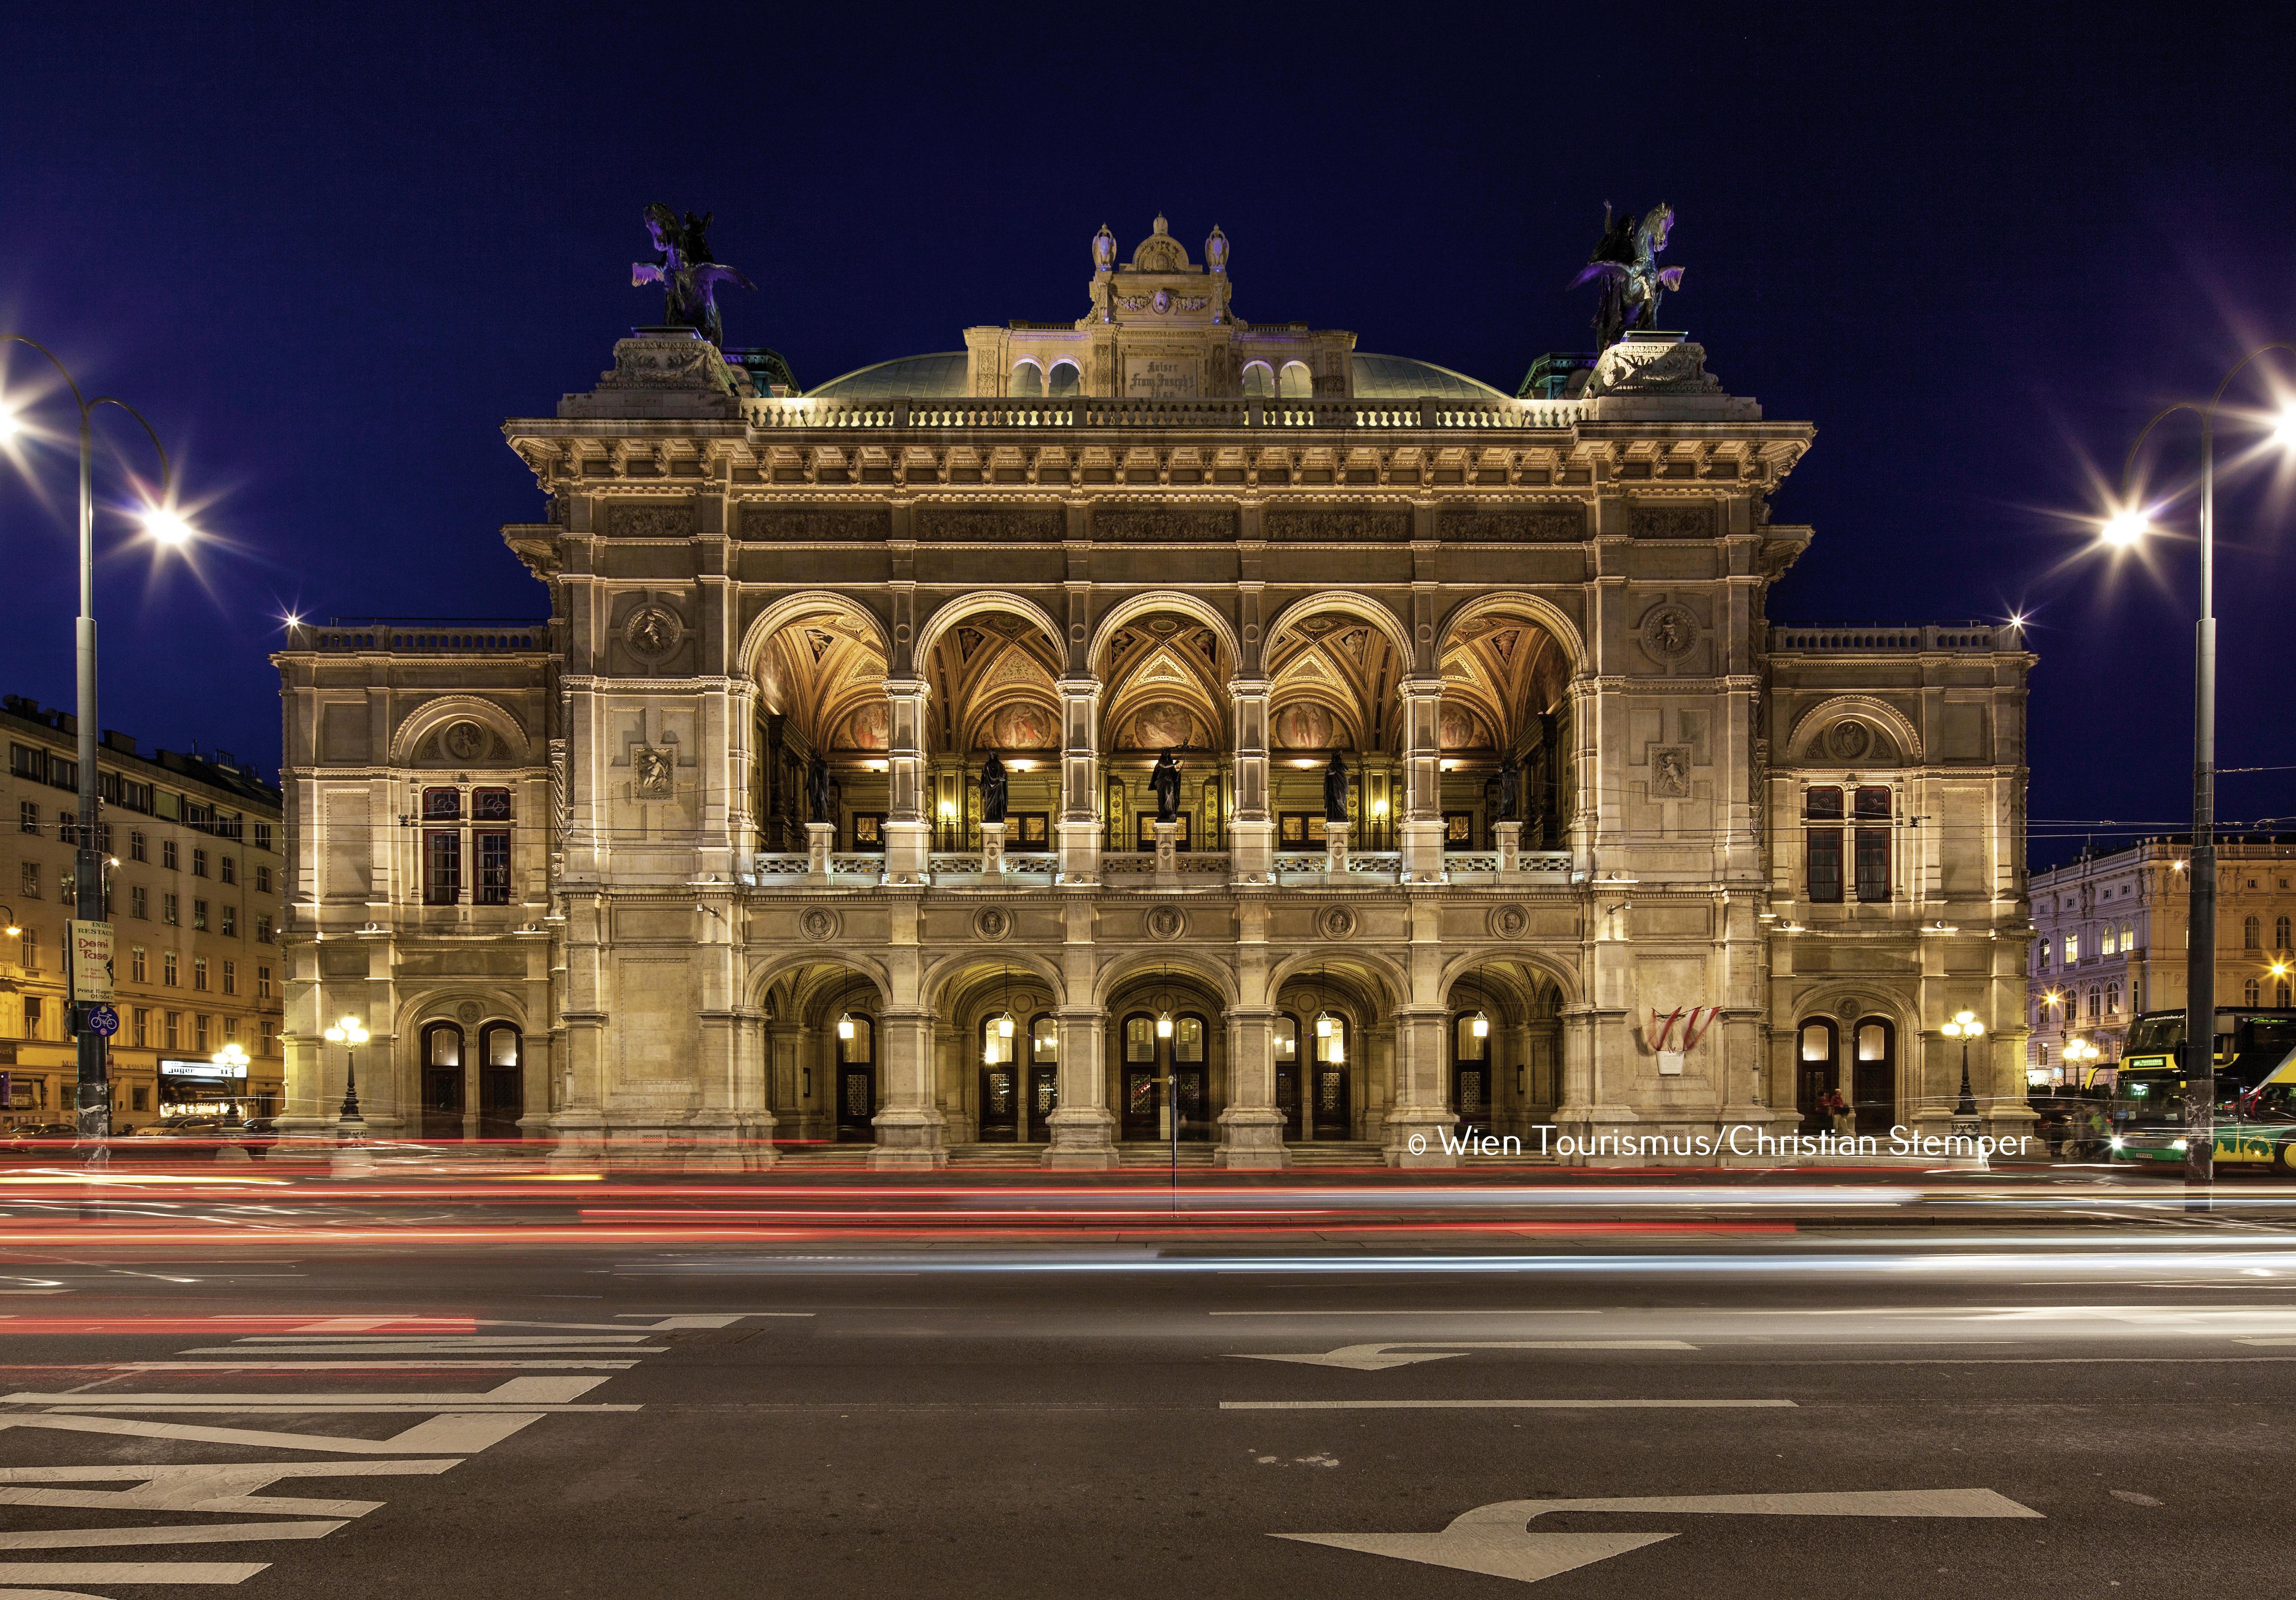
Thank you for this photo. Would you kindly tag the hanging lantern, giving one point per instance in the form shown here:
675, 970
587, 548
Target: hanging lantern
1323, 1024
1163, 1024
1004, 1025
1480, 1026
845, 1024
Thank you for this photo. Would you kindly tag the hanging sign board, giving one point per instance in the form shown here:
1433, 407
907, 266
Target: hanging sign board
91, 961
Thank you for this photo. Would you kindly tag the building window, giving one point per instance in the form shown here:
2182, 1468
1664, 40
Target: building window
489, 805
2251, 934
2253, 993
138, 851
138, 966
231, 977
28, 950
2044, 955
263, 929
442, 866
493, 846
2094, 1008
1823, 806
262, 840
169, 911
199, 916
442, 805
263, 983
33, 1017
2280, 934
2109, 941
2113, 999
143, 1028
168, 969
175, 1031
67, 826
2128, 939
263, 879
28, 817
168, 854
227, 870
200, 973
139, 1098
1873, 811
29, 887
270, 1037
139, 904
200, 1033
2072, 949
231, 1030
198, 863
228, 925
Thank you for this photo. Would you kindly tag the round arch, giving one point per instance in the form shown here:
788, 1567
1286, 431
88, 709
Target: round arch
1124, 969
432, 715
1545, 613
762, 977
946, 973
1348, 603
1161, 600
808, 602
1565, 978
1826, 712
440, 1006
949, 614
1389, 984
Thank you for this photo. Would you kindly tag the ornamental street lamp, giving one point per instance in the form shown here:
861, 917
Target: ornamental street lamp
2125, 528
351, 1034
230, 1063
1964, 1026
166, 527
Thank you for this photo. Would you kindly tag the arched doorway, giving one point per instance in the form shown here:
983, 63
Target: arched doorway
856, 1051
1333, 679
443, 1096
1507, 712
821, 1049
1503, 1046
1164, 679
502, 1081
820, 691
1816, 1070
1166, 1058
993, 676
1874, 1074
1471, 1069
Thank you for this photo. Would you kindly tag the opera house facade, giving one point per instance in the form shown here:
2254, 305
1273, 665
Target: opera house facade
701, 862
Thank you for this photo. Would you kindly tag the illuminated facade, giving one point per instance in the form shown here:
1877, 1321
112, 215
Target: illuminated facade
1078, 546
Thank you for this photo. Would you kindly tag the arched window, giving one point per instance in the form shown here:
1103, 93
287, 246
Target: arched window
1043, 1069
2253, 993
1027, 380
1815, 1071
856, 1077
2280, 934
2113, 999
1259, 379
2109, 943
2128, 939
1065, 379
442, 1045
443, 1091
2096, 1004
1874, 1074
502, 1081
1296, 382
2251, 934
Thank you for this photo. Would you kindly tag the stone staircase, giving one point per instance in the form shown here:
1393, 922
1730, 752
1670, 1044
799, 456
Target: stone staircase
1336, 1153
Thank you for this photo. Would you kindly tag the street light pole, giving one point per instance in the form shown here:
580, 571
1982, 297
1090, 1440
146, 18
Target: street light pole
95, 1087
2200, 1051
1964, 1026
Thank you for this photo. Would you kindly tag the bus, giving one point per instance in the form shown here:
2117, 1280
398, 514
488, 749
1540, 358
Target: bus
2256, 1088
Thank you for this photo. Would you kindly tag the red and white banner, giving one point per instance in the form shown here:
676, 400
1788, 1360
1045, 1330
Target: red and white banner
1693, 1020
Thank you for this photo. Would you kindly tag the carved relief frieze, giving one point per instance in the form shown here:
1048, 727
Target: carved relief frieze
651, 519
1161, 526
992, 524
1512, 524
1674, 520
1320, 525
817, 524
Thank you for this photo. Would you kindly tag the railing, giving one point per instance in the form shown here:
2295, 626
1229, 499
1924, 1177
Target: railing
830, 412
781, 867
1870, 637
429, 635
867, 865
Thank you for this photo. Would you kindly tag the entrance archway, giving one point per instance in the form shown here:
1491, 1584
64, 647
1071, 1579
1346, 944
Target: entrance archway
502, 1081
443, 1100
1164, 677
993, 675
1334, 676
820, 691
824, 1046
1168, 1048
1505, 706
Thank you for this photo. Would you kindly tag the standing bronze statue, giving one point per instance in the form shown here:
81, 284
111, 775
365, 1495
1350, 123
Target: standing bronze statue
1335, 790
992, 788
1510, 791
683, 268
1165, 781
1625, 261
816, 789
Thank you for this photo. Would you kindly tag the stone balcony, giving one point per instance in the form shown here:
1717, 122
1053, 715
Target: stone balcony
1200, 869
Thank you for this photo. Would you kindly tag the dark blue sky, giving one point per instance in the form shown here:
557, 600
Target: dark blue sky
327, 252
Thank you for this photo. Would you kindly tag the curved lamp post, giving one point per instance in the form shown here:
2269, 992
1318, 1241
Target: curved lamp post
351, 1033
2123, 529
1964, 1026
167, 528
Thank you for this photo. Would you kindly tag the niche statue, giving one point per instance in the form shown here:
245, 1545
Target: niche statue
681, 266
1165, 781
992, 788
816, 788
1335, 790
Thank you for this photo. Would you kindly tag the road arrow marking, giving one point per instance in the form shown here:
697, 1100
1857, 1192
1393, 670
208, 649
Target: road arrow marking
1494, 1541
1499, 1405
1379, 1358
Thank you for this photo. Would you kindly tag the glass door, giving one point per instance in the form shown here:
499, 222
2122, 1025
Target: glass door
1142, 1097
1000, 1089
1287, 1075
1333, 1108
856, 1084
1044, 1077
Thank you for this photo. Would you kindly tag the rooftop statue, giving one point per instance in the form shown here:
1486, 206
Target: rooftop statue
1625, 261
683, 268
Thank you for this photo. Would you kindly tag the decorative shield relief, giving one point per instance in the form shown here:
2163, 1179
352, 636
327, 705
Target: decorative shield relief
652, 631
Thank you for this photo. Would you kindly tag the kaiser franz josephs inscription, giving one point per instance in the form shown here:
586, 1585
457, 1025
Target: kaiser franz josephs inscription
1153, 380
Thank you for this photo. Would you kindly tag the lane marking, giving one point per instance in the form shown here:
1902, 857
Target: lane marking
415, 1347
1535, 1311
189, 1533
457, 1434
127, 1571
1379, 1358
376, 1365
1496, 1541
212, 1486
1506, 1405
520, 1391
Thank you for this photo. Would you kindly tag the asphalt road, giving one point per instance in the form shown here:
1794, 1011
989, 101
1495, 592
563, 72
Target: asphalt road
2076, 1414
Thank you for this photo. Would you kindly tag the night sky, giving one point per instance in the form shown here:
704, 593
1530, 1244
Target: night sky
326, 254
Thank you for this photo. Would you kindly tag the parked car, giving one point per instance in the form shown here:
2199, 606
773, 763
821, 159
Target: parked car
39, 1138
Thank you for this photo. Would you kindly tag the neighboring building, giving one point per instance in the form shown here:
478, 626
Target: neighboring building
195, 902
2112, 941
577, 879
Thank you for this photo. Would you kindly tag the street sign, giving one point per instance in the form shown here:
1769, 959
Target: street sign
91, 961
103, 1020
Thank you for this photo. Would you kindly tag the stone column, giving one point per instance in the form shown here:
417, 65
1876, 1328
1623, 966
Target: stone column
1082, 1130
1422, 779
1080, 823
1251, 1128
909, 1125
1252, 835
1574, 1114
908, 823
1422, 1110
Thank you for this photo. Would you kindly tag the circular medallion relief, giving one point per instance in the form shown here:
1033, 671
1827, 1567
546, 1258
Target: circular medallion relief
652, 631
468, 1011
1669, 631
1337, 921
1509, 922
1167, 922
1848, 741
466, 741
991, 923
818, 923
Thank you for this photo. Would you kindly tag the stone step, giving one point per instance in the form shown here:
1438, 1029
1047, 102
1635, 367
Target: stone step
1193, 1152
1336, 1153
